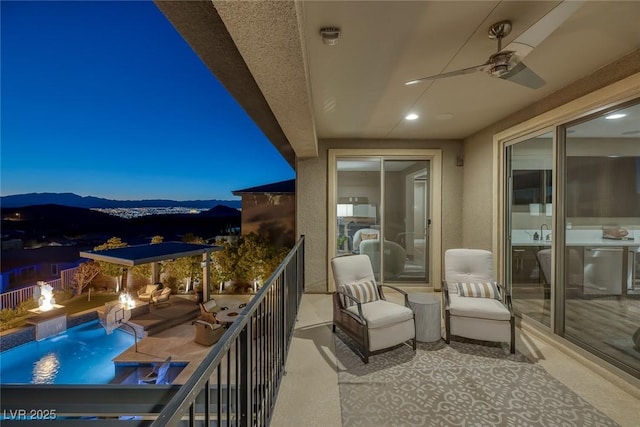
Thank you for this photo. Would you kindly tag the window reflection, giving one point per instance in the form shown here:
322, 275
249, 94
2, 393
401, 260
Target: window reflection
601, 286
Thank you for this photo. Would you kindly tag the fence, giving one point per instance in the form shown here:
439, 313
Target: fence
11, 299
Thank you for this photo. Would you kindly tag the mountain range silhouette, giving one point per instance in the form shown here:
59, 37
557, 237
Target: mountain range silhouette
74, 200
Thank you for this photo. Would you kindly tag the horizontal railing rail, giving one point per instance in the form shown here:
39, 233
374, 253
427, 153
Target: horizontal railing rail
236, 384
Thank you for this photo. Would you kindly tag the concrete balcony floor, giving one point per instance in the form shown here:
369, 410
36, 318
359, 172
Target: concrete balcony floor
309, 391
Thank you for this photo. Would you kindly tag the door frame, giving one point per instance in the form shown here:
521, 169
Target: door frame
434, 156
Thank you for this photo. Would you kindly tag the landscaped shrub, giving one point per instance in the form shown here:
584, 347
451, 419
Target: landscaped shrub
63, 295
10, 318
24, 307
244, 262
171, 282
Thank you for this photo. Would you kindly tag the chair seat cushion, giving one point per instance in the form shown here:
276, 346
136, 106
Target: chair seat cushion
481, 308
381, 313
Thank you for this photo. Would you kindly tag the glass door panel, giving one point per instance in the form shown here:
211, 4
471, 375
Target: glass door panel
602, 205
358, 207
406, 219
382, 211
530, 222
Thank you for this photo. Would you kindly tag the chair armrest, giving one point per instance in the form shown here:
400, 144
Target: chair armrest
361, 318
395, 288
445, 293
204, 323
506, 297
504, 289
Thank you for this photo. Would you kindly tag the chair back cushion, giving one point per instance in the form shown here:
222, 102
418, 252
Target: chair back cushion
479, 290
351, 269
210, 306
467, 266
365, 291
148, 290
163, 371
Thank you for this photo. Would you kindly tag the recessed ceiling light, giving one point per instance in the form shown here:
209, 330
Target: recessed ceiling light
615, 116
411, 116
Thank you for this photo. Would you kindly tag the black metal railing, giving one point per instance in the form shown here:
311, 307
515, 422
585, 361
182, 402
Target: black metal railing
235, 385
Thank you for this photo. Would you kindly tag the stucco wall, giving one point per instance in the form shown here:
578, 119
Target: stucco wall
312, 193
477, 200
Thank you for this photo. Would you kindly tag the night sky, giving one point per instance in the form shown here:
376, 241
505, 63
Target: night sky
106, 99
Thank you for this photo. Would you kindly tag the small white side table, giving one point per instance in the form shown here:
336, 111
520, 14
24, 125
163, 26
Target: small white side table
426, 307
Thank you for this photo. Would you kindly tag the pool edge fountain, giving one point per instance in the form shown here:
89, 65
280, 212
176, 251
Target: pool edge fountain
50, 318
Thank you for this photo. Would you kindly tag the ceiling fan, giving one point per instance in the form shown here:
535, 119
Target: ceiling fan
507, 63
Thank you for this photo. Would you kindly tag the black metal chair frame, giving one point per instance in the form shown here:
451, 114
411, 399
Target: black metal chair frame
356, 326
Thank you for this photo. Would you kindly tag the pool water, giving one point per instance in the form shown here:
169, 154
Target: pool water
81, 355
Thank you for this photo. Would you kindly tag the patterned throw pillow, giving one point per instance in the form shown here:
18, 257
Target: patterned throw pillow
364, 292
369, 236
479, 290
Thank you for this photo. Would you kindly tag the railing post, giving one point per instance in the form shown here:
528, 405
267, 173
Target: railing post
244, 388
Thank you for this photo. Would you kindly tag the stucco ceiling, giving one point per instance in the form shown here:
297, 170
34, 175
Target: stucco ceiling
355, 89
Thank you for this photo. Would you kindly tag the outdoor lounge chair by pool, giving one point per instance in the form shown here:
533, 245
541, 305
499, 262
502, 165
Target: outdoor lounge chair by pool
145, 294
207, 333
209, 309
158, 374
161, 298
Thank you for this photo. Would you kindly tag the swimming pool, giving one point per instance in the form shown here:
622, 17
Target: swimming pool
80, 355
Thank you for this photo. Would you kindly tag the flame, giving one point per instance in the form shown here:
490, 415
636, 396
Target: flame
127, 301
46, 301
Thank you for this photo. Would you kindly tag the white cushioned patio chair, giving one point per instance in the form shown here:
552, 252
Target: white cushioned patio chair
362, 312
145, 293
475, 306
209, 309
160, 298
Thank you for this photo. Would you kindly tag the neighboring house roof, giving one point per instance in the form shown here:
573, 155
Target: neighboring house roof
47, 254
282, 187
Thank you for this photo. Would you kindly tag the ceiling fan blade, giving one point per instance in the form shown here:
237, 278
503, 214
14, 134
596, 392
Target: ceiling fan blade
523, 75
539, 31
462, 71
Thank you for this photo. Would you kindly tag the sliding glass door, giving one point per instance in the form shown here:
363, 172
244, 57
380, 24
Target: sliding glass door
382, 210
530, 234
601, 308
580, 278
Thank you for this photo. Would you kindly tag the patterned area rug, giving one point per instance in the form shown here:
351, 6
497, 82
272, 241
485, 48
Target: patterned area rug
462, 384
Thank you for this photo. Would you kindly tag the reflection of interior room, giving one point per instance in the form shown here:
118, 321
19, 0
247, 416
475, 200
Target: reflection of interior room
401, 252
600, 290
357, 221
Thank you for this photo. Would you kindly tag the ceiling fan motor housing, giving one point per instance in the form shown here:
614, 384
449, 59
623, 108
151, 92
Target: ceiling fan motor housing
501, 63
